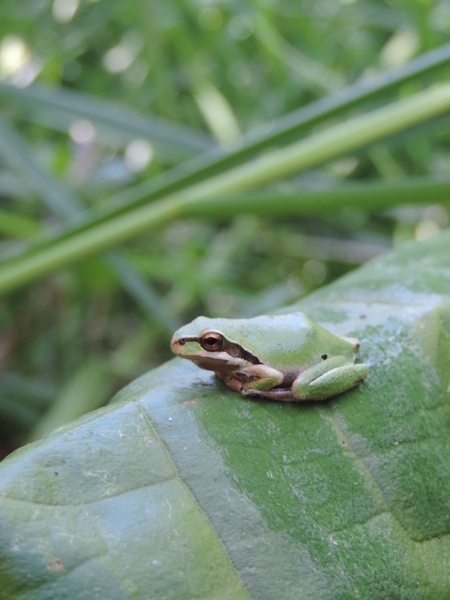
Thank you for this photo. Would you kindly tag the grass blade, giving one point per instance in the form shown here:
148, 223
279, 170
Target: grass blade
327, 144
15, 153
282, 131
15, 225
87, 390
143, 293
65, 204
313, 74
59, 108
11, 186
375, 195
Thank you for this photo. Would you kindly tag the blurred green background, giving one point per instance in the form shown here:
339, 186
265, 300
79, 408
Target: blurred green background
100, 98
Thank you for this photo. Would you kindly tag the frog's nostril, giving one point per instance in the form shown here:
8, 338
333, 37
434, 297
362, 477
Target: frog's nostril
182, 341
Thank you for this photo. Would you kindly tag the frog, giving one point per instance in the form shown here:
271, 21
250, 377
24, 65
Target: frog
286, 357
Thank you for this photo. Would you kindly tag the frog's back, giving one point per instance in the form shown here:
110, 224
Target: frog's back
287, 341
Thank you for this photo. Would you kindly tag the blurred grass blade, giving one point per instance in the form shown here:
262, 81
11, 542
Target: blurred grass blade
283, 130
276, 133
375, 195
216, 112
119, 124
16, 416
142, 292
352, 252
15, 153
329, 143
87, 390
65, 204
32, 392
11, 186
15, 225
313, 74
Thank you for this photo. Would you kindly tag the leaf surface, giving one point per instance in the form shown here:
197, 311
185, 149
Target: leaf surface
182, 488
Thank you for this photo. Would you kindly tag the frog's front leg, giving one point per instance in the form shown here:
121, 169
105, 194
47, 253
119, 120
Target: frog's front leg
328, 378
253, 380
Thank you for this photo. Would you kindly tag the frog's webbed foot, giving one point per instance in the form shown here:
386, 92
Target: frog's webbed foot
329, 378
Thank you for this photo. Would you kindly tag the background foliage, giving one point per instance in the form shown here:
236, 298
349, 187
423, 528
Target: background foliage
156, 84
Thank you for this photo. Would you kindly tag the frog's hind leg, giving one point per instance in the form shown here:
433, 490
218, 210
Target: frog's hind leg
329, 378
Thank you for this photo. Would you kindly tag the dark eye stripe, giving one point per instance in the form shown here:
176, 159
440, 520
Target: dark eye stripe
233, 349
238, 352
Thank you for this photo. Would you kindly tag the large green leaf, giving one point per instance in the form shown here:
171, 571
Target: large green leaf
184, 489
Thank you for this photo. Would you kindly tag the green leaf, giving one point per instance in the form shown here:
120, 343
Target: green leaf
184, 489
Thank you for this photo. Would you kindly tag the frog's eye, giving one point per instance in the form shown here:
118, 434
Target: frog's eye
212, 342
